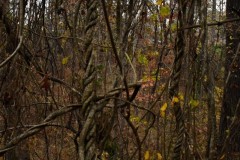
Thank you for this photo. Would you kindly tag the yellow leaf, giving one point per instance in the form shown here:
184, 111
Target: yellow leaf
205, 78
194, 103
218, 90
222, 157
163, 110
227, 131
159, 2
105, 155
145, 122
65, 60
175, 100
147, 155
159, 156
134, 119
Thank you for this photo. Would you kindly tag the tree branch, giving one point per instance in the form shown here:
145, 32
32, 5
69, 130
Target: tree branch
37, 128
212, 24
13, 54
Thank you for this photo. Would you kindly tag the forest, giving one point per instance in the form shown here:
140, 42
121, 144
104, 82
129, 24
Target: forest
119, 80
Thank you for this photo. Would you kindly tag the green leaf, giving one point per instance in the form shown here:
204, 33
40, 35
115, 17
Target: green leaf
154, 17
164, 11
143, 59
65, 60
174, 27
180, 96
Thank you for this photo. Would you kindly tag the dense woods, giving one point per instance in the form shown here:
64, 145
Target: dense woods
119, 79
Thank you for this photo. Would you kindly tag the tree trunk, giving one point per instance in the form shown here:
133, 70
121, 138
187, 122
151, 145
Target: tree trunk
229, 140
